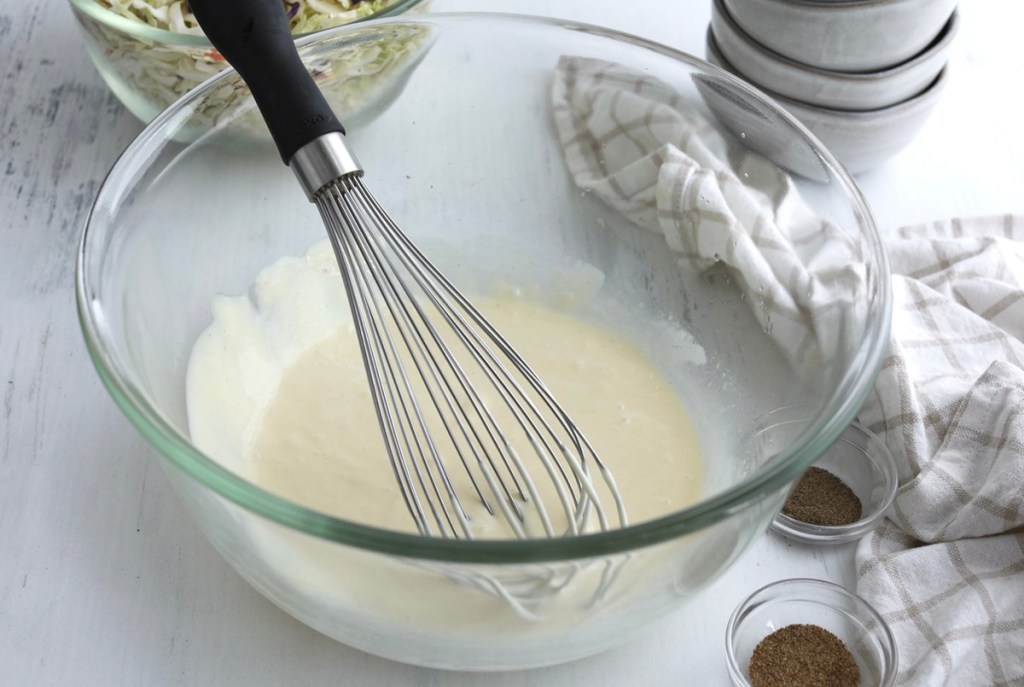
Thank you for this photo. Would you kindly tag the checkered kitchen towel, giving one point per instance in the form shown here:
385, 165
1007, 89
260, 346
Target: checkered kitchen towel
947, 568
631, 141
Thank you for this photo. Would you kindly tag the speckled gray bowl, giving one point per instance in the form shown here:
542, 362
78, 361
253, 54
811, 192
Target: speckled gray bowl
824, 87
861, 140
845, 35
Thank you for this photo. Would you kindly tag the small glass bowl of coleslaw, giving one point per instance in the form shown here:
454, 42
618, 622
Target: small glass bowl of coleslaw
151, 52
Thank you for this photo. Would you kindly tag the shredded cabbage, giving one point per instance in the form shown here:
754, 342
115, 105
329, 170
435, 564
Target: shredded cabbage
305, 16
149, 75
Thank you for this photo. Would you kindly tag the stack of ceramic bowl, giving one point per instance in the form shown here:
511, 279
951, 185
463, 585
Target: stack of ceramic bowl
863, 75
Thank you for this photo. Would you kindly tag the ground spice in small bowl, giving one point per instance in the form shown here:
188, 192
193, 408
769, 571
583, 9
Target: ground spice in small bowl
803, 656
821, 498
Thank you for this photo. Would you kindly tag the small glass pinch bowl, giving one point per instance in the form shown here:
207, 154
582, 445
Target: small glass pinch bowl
859, 458
816, 602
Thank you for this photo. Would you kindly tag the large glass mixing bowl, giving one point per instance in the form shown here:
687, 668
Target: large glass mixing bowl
459, 144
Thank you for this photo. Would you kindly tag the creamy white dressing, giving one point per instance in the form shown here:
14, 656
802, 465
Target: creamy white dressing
277, 392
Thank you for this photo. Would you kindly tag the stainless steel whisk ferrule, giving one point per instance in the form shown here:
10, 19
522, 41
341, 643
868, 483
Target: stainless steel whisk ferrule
322, 161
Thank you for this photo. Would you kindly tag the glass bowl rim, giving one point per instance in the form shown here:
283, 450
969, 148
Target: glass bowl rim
843, 403
144, 31
791, 591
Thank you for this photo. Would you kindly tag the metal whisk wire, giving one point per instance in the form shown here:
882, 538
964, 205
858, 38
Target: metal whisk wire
392, 289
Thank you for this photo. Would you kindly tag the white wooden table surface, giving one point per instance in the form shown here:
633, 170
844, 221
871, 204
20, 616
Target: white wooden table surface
104, 579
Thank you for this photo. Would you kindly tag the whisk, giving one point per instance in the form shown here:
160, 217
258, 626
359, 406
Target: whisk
450, 393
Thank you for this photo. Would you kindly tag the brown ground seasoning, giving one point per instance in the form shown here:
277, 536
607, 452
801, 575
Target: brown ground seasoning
821, 498
803, 656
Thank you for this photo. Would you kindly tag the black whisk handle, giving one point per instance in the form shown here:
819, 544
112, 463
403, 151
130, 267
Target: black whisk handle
254, 37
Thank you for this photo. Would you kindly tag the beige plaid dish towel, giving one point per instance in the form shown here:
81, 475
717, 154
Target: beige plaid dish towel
629, 139
946, 569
